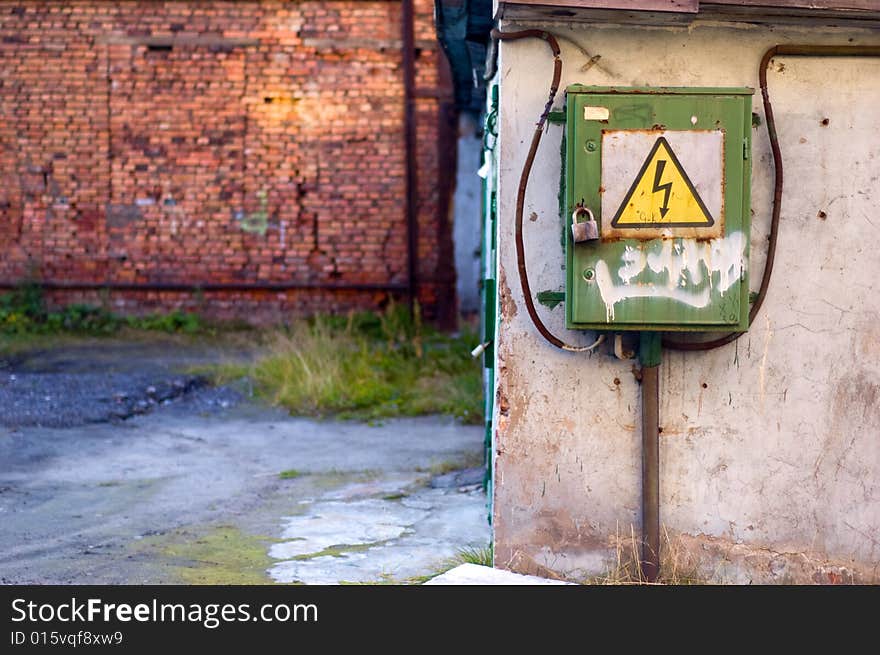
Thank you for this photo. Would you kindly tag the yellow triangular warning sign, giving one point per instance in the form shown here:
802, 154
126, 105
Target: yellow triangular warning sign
662, 195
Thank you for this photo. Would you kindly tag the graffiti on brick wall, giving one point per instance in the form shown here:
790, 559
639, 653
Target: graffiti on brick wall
256, 222
183, 141
30, 185
174, 212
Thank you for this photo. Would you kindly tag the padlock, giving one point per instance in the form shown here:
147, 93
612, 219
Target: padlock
587, 231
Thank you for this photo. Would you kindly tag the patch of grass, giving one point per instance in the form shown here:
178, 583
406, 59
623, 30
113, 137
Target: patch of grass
369, 366
15, 344
676, 568
171, 322
481, 556
224, 555
222, 373
469, 460
23, 311
340, 550
469, 555
290, 474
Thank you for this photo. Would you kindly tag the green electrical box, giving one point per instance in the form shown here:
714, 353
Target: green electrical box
664, 173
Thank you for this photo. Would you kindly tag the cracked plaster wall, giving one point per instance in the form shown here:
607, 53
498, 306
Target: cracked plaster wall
769, 443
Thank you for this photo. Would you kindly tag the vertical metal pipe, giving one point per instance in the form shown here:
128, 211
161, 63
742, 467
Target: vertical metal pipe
650, 472
650, 352
407, 21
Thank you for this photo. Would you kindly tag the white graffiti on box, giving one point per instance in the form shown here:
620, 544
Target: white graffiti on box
693, 269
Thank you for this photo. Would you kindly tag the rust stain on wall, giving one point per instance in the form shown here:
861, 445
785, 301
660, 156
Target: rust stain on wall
520, 562
554, 531
857, 396
867, 339
505, 300
714, 559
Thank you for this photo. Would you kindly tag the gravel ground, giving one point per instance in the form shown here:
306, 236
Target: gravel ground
119, 465
60, 400
107, 381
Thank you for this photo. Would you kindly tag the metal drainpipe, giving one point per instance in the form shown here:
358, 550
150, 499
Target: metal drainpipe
205, 286
407, 21
649, 356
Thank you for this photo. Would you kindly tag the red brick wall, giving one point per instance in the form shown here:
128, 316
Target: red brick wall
151, 143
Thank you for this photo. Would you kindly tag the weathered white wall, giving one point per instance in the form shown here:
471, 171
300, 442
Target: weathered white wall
770, 445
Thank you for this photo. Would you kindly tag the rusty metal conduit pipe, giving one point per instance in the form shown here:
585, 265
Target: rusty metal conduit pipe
793, 50
650, 546
206, 286
498, 35
407, 20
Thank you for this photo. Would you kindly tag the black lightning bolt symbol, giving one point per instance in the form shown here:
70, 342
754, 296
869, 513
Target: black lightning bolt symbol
666, 188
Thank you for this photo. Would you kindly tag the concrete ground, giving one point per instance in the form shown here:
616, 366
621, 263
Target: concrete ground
117, 466
475, 574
